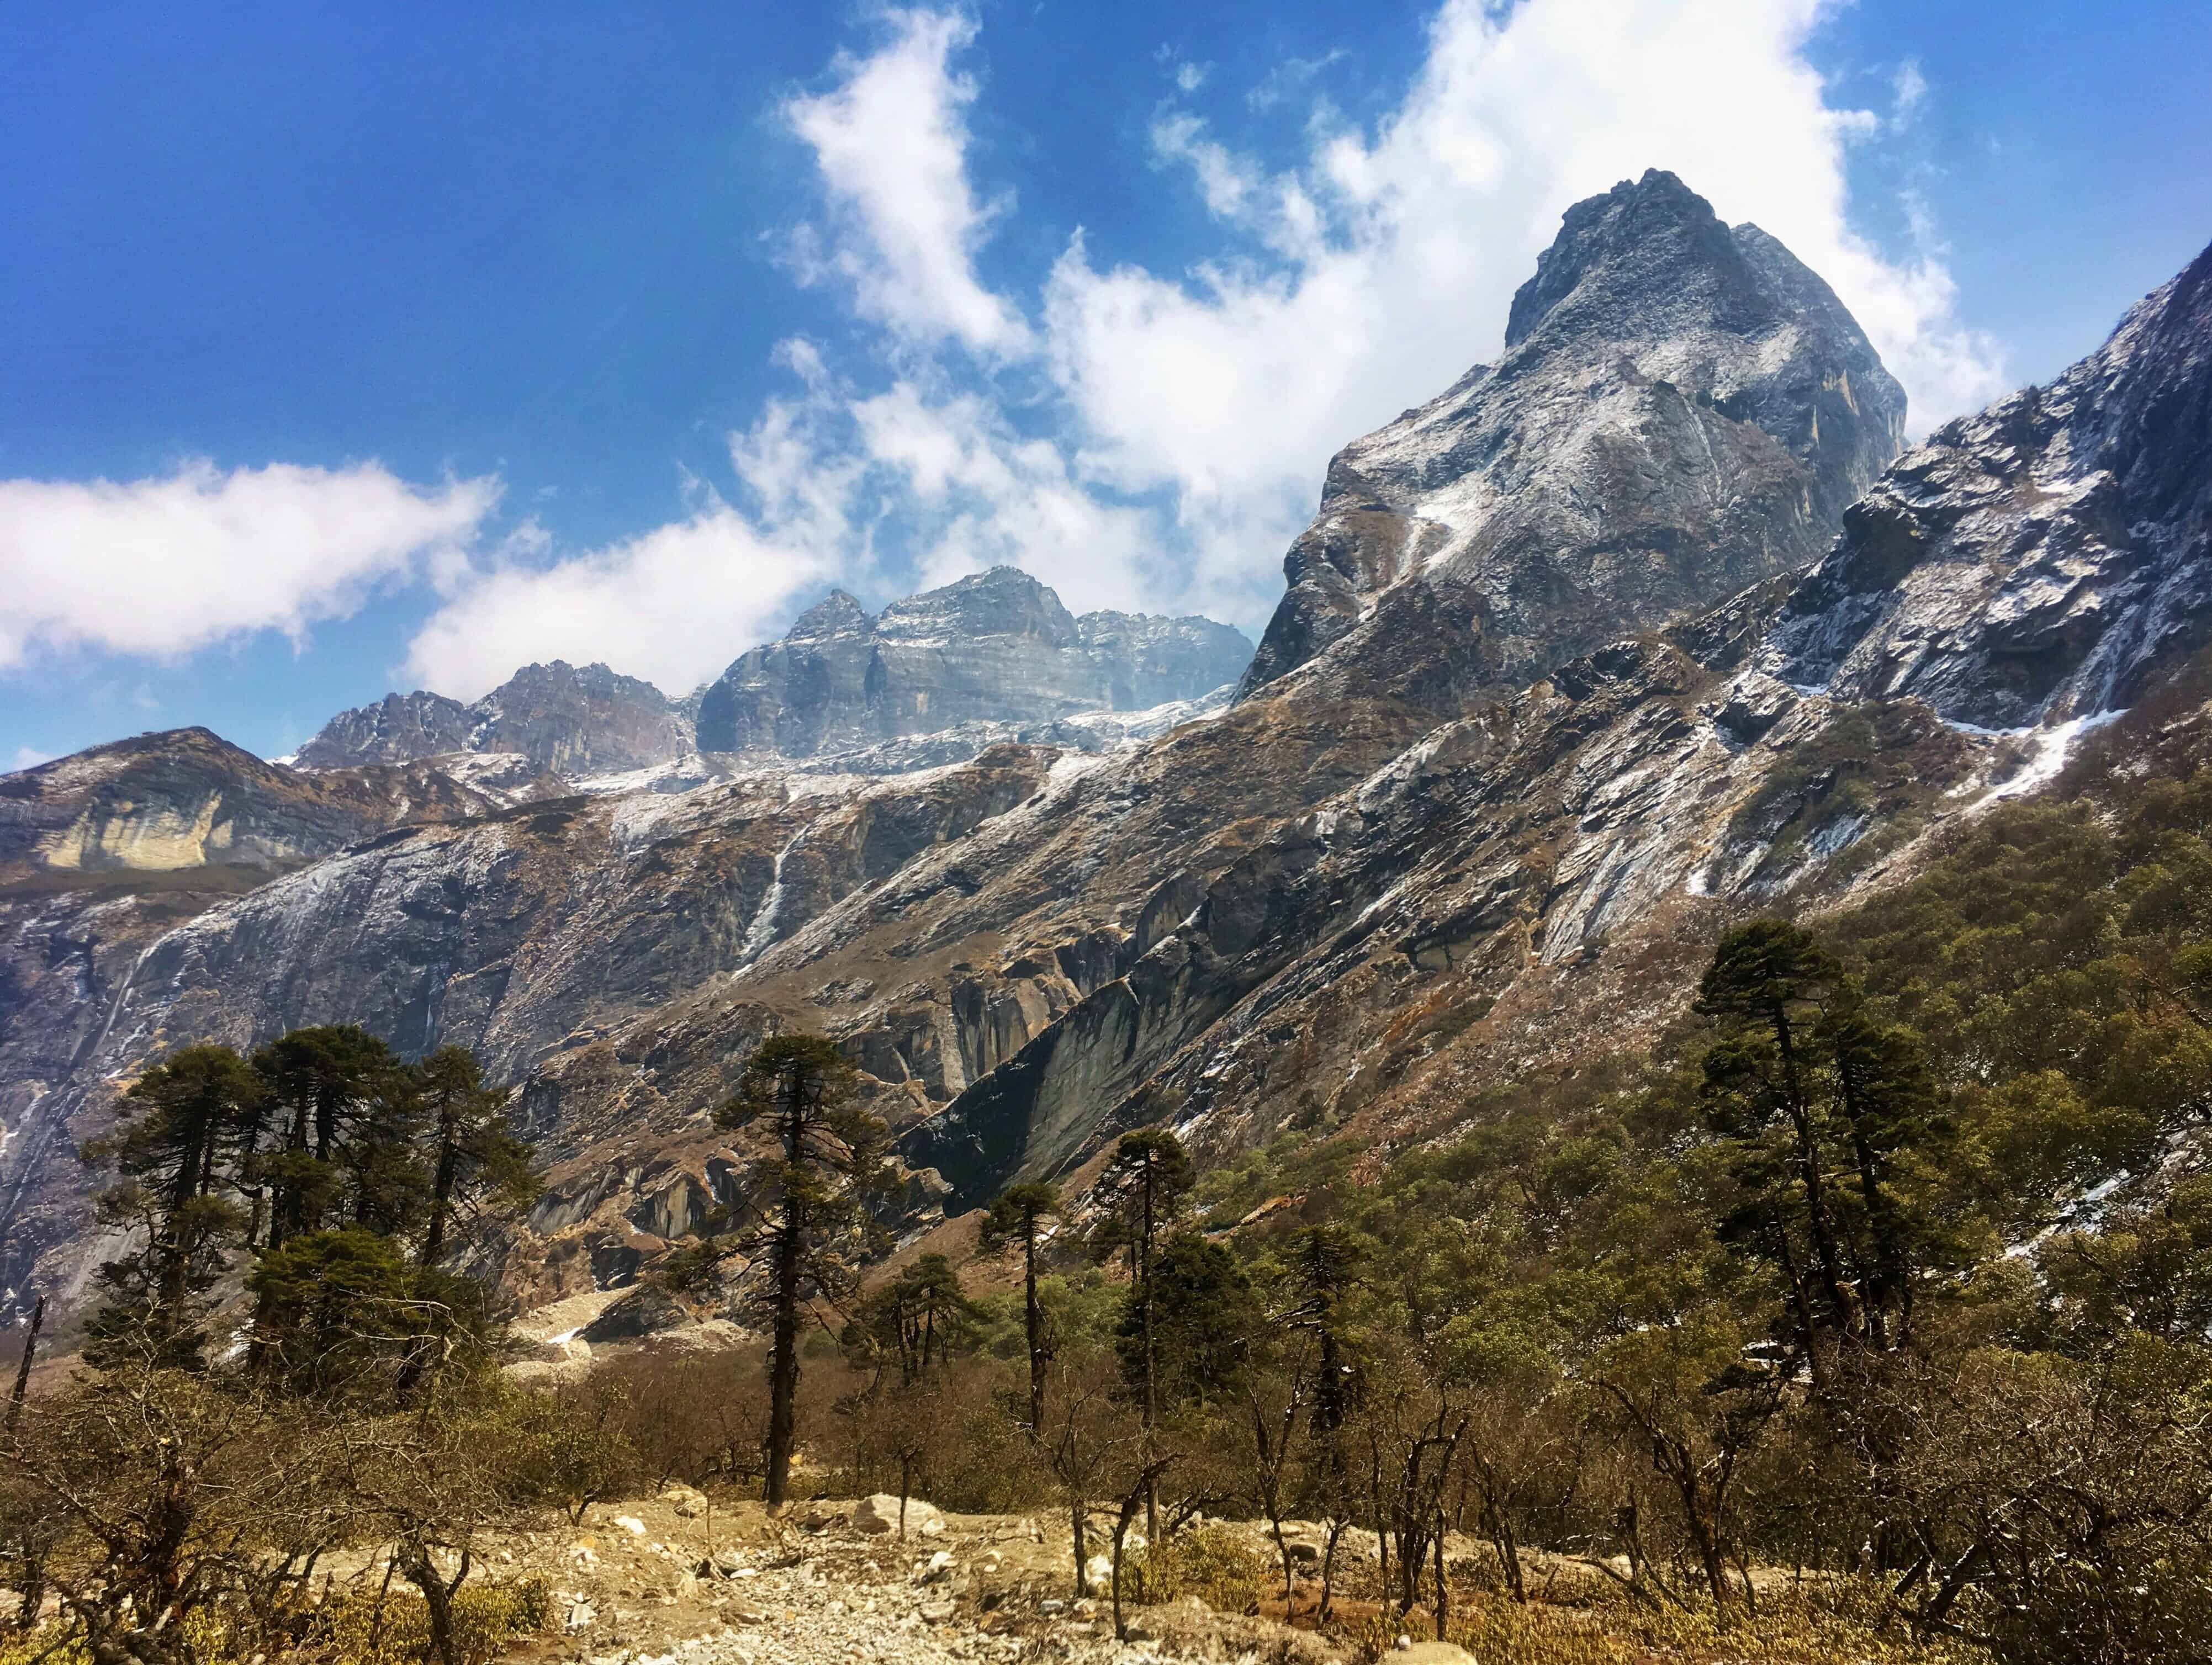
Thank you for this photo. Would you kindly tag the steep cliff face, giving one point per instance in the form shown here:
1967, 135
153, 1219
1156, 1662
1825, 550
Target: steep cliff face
1329, 905
997, 647
1681, 410
2037, 561
563, 719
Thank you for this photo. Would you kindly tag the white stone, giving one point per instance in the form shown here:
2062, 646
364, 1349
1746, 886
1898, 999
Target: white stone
880, 1514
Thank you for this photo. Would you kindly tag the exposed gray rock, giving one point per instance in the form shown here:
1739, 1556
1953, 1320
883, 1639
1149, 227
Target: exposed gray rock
570, 720
1681, 410
1327, 906
996, 647
2036, 561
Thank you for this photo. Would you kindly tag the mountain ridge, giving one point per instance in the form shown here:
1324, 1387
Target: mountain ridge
1343, 903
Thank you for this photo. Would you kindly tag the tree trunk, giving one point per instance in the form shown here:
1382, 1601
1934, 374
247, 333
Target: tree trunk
1033, 1324
1444, 1593
1808, 1162
1151, 1390
442, 1195
437, 1600
783, 1363
1075, 1521
23, 1369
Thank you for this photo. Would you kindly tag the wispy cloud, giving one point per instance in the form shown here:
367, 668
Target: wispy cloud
901, 222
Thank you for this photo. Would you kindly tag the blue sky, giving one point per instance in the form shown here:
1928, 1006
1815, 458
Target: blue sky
362, 347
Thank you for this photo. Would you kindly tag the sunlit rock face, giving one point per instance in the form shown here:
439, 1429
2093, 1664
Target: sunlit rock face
995, 647
1682, 410
2038, 562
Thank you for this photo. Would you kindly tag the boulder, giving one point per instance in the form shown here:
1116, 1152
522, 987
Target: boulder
687, 1501
879, 1514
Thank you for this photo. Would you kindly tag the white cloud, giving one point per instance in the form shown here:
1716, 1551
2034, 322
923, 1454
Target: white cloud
891, 139
982, 495
1288, 76
1190, 76
161, 566
29, 758
675, 604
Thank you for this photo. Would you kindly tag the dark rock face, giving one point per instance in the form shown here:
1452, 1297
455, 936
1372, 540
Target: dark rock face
398, 728
996, 647
2036, 561
1682, 410
570, 720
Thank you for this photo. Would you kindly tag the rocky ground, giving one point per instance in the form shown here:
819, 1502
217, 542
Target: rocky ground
679, 1580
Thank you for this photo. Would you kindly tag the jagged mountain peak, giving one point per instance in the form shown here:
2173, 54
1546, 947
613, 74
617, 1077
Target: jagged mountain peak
1001, 600
996, 646
579, 719
837, 612
1682, 410
1640, 232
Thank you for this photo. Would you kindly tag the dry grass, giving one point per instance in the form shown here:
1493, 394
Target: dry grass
352, 1629
1830, 1626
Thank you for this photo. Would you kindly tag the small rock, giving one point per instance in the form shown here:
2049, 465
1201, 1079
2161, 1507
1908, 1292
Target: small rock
687, 1501
937, 1612
1051, 1604
631, 1524
1411, 1652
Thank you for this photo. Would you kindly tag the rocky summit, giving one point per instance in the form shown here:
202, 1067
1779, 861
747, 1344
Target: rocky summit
557, 717
995, 647
1682, 410
1640, 629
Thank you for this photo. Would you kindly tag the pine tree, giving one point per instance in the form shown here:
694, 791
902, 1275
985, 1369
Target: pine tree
828, 1153
1016, 1219
920, 1317
1763, 987
321, 1083
186, 1120
1142, 1191
468, 1148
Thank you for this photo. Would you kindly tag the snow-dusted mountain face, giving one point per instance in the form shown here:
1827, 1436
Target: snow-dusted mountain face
560, 718
2038, 561
997, 647
1347, 901
1682, 410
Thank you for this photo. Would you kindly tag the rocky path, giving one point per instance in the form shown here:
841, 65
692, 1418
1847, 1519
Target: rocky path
657, 1585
